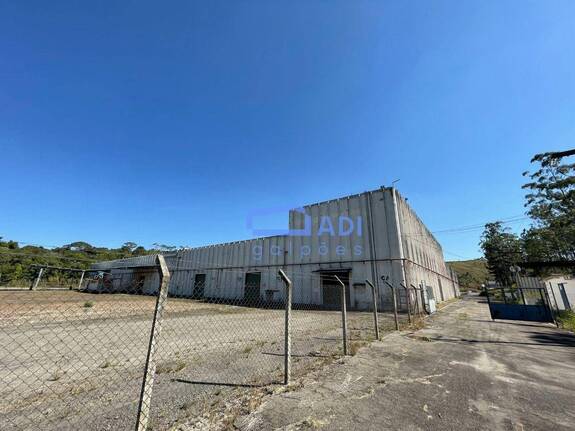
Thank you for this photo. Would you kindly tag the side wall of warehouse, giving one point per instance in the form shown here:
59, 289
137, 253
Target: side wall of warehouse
423, 255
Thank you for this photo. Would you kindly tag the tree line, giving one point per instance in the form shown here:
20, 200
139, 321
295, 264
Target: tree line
16, 260
550, 204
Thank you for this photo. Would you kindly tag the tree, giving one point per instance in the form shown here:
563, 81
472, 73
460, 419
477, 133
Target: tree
502, 250
551, 204
139, 251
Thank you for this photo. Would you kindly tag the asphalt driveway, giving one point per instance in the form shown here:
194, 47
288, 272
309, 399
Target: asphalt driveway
462, 371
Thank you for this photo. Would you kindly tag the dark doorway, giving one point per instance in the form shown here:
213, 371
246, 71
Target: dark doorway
252, 287
331, 289
199, 286
139, 282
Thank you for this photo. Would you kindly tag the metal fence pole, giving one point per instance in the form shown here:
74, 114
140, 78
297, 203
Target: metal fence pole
394, 299
423, 293
522, 295
343, 315
375, 320
486, 290
81, 280
550, 307
150, 367
287, 334
37, 281
408, 300
554, 298
416, 299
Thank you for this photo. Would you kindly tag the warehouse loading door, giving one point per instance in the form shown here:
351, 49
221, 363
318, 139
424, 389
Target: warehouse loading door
199, 286
138, 283
331, 289
252, 287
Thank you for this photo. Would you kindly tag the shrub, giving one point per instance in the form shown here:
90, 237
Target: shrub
566, 319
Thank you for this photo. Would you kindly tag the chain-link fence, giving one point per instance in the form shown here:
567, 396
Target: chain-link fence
121, 350
52, 277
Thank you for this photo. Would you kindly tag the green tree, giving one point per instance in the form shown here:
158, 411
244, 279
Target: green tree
551, 204
502, 250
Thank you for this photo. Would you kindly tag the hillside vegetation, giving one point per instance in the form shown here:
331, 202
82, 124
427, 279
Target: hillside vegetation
16, 260
471, 273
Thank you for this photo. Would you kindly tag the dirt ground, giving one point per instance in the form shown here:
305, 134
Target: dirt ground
75, 360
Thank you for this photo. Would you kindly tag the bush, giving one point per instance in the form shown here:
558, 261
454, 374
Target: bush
566, 319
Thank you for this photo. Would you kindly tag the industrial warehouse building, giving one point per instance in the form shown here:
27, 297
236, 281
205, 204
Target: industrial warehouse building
371, 235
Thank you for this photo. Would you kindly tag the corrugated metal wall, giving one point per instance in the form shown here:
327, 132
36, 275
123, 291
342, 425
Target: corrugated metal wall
357, 233
424, 257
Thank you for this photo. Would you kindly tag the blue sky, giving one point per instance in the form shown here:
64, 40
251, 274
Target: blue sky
170, 122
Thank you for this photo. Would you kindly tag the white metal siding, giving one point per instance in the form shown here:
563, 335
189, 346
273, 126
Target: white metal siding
302, 257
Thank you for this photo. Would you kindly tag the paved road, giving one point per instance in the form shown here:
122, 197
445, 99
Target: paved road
462, 371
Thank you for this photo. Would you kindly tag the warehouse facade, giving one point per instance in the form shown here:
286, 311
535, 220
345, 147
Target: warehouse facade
371, 235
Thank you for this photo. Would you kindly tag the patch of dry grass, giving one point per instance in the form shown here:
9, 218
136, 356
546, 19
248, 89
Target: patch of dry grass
313, 423
170, 367
355, 346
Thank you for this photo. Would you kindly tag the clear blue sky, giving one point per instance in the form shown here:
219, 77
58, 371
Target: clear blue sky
170, 121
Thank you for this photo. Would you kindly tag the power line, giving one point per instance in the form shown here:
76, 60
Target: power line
476, 227
469, 228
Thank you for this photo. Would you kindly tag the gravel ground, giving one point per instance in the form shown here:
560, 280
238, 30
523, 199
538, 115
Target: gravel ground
71, 360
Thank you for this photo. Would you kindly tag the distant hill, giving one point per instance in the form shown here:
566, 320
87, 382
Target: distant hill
471, 273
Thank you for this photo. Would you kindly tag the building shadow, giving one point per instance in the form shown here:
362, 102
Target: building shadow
299, 355
225, 384
514, 323
557, 340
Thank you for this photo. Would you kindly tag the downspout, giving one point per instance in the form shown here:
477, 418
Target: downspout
399, 239
372, 248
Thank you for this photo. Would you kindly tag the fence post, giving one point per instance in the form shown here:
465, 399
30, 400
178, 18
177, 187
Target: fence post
522, 296
554, 298
150, 367
416, 299
550, 307
287, 334
394, 298
343, 315
81, 280
503, 293
375, 321
423, 294
488, 300
37, 281
408, 300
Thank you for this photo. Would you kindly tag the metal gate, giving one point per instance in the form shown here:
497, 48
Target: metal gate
523, 303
